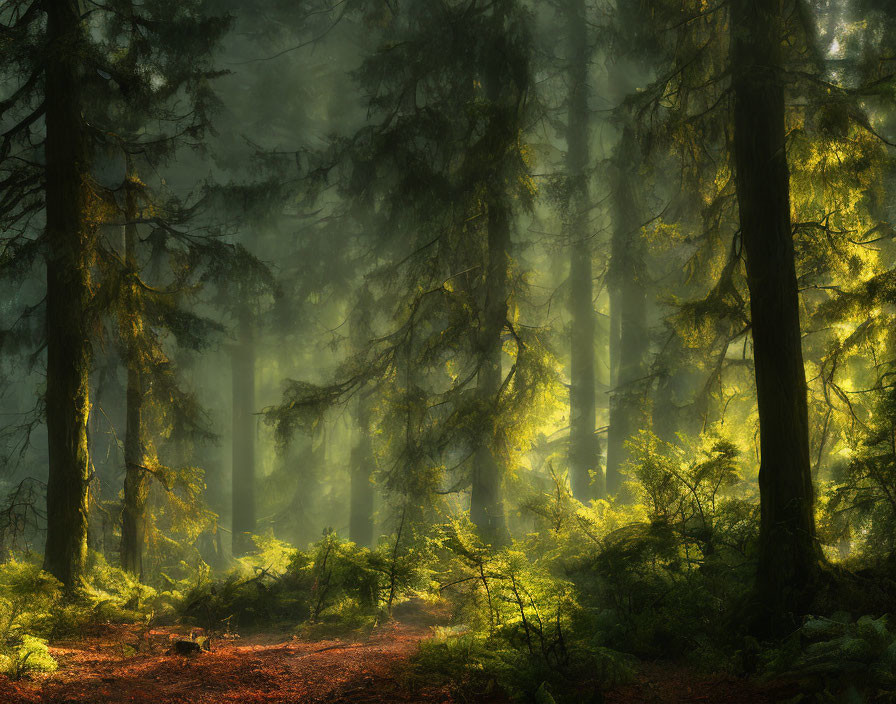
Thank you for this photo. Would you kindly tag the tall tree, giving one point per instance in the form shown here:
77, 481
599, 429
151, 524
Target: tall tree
136, 481
627, 278
438, 178
363, 461
170, 246
360, 528
627, 286
584, 448
788, 553
243, 433
70, 242
486, 499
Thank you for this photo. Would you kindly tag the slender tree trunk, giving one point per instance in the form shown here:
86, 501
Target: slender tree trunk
584, 449
69, 251
486, 501
243, 478
788, 553
361, 510
363, 464
628, 308
136, 483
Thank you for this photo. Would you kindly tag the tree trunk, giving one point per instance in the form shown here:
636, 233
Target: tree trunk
486, 501
584, 449
243, 478
360, 527
136, 483
69, 252
363, 463
628, 309
788, 553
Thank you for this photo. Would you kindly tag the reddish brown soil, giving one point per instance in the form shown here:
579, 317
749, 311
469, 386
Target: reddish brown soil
122, 664
102, 668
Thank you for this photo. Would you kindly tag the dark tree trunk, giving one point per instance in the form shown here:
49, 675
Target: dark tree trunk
363, 463
136, 482
360, 527
628, 311
486, 501
788, 554
69, 249
243, 478
584, 449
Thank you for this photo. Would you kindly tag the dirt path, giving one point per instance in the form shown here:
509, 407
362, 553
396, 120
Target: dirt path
103, 668
122, 665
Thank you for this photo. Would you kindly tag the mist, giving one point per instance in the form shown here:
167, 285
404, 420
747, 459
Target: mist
535, 343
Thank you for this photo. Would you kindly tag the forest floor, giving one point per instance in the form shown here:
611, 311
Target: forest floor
120, 664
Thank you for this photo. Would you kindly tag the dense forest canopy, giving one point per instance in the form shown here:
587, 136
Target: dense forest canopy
572, 319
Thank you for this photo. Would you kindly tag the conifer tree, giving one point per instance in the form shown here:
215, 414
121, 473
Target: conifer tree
788, 552
584, 448
438, 180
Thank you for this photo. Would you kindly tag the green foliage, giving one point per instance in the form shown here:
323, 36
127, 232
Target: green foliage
550, 615
111, 594
478, 666
30, 603
860, 503
28, 598
691, 488
333, 585
31, 654
664, 576
838, 659
34, 607
522, 628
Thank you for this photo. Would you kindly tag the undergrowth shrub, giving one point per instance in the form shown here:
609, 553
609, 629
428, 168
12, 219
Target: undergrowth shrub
521, 628
670, 579
30, 603
333, 584
839, 660
24, 655
33, 608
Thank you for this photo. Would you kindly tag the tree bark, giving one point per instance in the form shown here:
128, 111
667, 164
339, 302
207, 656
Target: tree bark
788, 553
486, 501
584, 449
363, 463
243, 472
70, 241
360, 527
628, 310
136, 483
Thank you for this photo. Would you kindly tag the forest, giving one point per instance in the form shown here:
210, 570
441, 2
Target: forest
508, 351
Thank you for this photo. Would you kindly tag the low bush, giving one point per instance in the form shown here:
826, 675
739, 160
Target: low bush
520, 626
335, 584
839, 660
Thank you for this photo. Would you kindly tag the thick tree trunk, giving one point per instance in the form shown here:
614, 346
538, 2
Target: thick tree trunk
788, 553
69, 248
136, 483
360, 527
584, 449
486, 501
628, 310
243, 478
